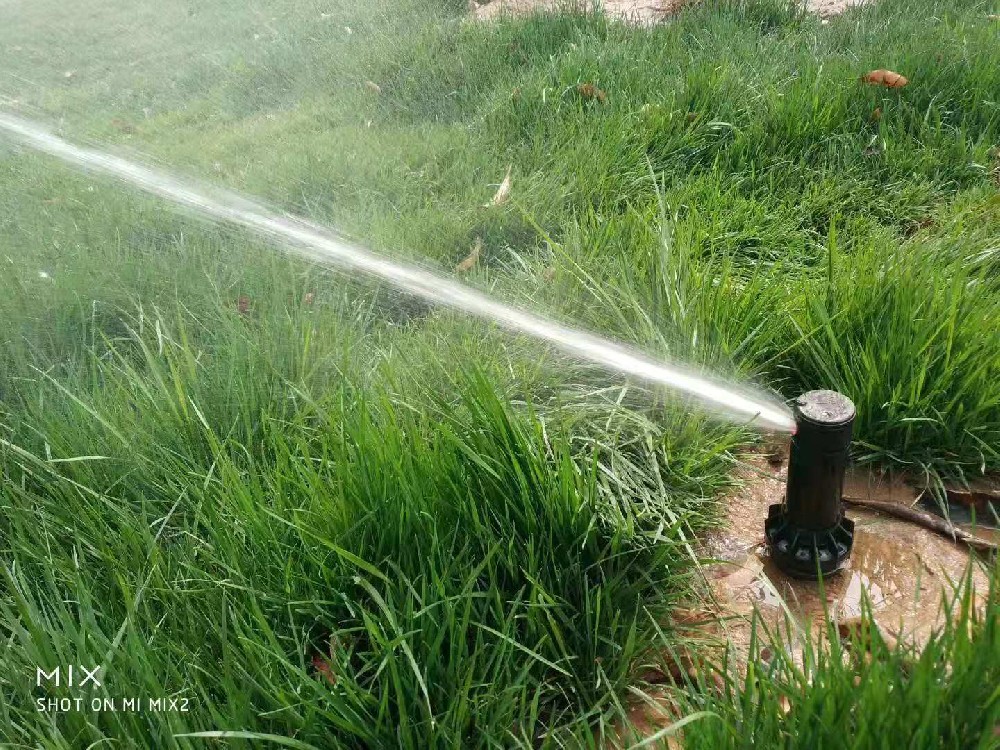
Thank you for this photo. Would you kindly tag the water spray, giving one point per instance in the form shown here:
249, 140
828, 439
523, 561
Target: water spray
808, 534
320, 245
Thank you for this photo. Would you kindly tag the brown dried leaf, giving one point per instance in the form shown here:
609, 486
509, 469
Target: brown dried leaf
775, 450
323, 668
681, 669
864, 629
122, 126
849, 626
887, 78
590, 91
913, 227
672, 671
502, 194
472, 258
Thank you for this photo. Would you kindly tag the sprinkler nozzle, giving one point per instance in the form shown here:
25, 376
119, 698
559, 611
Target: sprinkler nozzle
808, 534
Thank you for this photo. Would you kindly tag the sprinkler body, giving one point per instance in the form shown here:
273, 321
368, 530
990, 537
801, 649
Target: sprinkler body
808, 534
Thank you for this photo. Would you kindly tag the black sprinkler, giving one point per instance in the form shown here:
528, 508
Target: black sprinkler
808, 534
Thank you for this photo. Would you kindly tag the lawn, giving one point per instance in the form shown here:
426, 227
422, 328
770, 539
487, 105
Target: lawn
319, 511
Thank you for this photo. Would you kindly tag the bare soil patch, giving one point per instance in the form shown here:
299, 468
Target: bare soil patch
908, 574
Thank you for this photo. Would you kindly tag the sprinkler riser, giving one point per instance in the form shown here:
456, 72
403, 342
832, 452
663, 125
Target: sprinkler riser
808, 534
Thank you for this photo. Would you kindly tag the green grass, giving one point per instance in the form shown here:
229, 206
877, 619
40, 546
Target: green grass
941, 696
202, 500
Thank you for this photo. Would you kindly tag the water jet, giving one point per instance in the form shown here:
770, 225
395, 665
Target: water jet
316, 243
808, 534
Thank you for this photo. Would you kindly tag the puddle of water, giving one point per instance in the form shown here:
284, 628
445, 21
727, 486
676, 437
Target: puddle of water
905, 573
901, 570
878, 572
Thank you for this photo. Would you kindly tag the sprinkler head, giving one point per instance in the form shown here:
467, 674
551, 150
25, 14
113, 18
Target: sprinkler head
808, 535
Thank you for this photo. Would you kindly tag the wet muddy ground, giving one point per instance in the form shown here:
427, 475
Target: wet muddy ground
905, 572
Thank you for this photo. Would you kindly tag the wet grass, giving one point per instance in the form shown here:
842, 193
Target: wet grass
472, 538
339, 516
942, 695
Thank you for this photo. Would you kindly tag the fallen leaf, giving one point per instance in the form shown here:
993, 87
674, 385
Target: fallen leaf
915, 226
243, 305
590, 91
775, 450
502, 194
323, 668
877, 114
472, 259
864, 629
886, 78
373, 87
672, 671
849, 626
681, 670
122, 125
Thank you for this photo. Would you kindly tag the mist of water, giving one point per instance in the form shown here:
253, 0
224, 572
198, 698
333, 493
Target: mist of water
321, 245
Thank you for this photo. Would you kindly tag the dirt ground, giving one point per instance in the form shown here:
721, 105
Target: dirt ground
633, 11
907, 573
904, 570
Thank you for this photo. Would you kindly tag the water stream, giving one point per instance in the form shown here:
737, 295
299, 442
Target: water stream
323, 246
